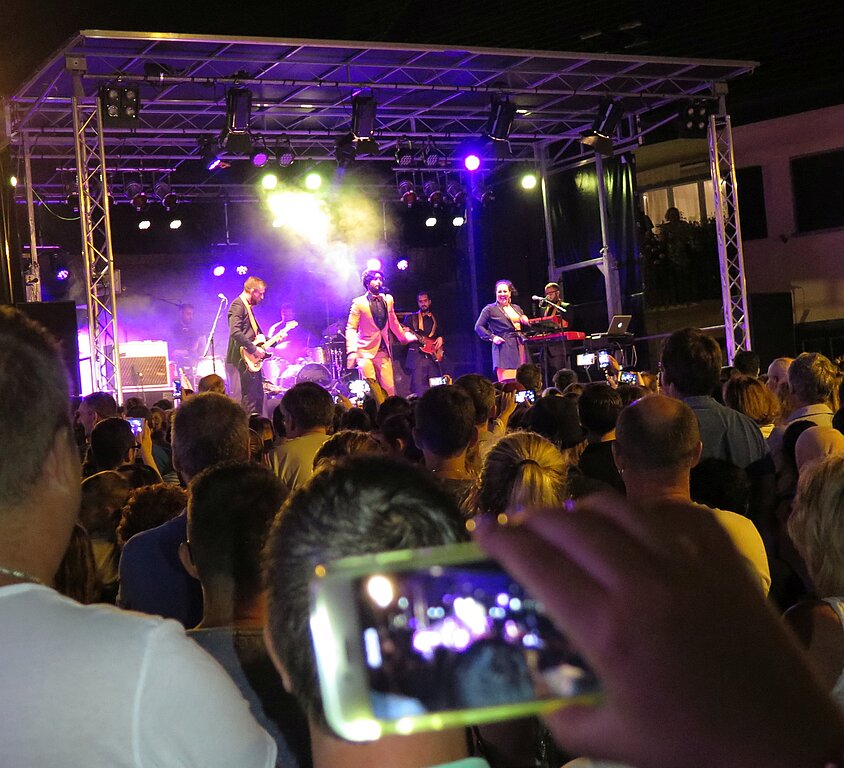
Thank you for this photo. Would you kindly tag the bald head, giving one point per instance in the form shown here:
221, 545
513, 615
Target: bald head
657, 433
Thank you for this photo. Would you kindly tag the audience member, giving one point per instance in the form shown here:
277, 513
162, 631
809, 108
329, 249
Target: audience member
563, 378
751, 397
396, 437
557, 419
746, 363
111, 688
392, 405
347, 442
599, 406
213, 382
657, 444
112, 444
631, 392
229, 515
364, 505
94, 408
529, 376
77, 576
816, 443
149, 507
719, 484
308, 411
482, 393
355, 418
208, 429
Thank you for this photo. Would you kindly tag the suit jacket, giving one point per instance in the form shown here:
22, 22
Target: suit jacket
493, 321
363, 336
240, 331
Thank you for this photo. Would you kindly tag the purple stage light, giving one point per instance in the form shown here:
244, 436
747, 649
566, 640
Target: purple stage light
242, 270
219, 271
62, 274
472, 162
402, 264
373, 264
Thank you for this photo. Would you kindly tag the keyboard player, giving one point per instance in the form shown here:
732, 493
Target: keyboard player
554, 355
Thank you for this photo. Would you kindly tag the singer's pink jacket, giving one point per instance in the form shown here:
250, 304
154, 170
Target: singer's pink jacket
364, 337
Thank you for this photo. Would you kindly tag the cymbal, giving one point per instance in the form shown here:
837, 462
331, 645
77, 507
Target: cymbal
334, 329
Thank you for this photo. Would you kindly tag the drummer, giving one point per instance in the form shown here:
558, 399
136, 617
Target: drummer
298, 340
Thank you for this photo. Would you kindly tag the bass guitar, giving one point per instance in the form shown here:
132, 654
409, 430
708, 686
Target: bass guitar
428, 347
253, 362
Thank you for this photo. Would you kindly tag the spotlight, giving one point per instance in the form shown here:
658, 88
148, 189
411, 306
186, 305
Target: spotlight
13, 180
458, 221
433, 156
175, 223
269, 181
313, 181
457, 194
344, 150
259, 157
363, 114
242, 270
236, 137
694, 118
373, 264
407, 193
485, 195
62, 274
140, 202
433, 193
144, 224
210, 152
472, 162
165, 194
72, 201
431, 221
529, 181
606, 121
285, 154
133, 189
404, 153
501, 116
218, 271
402, 264
120, 106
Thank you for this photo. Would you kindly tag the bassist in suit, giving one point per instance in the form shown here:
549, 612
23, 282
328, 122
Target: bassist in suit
245, 385
423, 365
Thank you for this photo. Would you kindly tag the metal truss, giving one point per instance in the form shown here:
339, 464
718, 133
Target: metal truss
97, 255
728, 227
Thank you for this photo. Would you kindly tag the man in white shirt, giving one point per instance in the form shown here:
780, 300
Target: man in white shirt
87, 685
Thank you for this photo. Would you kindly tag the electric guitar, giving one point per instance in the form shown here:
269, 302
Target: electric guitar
427, 346
255, 363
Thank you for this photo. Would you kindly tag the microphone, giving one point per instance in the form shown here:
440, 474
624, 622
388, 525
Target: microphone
222, 296
543, 300
540, 299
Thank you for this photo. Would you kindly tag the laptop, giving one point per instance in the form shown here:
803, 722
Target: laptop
618, 327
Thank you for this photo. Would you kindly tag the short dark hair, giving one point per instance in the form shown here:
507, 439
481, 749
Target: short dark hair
347, 442
209, 428
309, 405
482, 392
362, 505
148, 507
562, 378
529, 376
691, 361
213, 382
445, 420
102, 403
355, 418
599, 406
111, 440
664, 440
369, 275
747, 361
392, 405
230, 510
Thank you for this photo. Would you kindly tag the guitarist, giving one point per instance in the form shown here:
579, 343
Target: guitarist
245, 385
423, 365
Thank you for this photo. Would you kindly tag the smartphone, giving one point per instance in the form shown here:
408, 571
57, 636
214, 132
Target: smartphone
628, 377
177, 389
586, 359
436, 381
603, 358
137, 425
419, 640
525, 396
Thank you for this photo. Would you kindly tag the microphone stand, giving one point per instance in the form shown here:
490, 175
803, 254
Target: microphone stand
210, 342
560, 307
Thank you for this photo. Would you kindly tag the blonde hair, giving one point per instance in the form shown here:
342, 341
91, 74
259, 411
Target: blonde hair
522, 469
816, 525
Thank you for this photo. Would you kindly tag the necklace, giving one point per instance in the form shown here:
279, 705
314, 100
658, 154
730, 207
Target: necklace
22, 575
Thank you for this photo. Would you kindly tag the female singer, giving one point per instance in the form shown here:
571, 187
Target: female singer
501, 323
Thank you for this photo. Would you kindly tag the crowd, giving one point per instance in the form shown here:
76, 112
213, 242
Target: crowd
685, 532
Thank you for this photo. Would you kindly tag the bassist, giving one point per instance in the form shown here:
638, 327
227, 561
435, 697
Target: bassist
423, 359
245, 385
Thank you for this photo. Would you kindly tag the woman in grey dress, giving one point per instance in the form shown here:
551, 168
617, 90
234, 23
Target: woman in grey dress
502, 323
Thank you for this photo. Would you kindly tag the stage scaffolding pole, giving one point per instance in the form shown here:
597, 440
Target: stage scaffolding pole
728, 228
473, 272
540, 152
33, 279
608, 265
95, 224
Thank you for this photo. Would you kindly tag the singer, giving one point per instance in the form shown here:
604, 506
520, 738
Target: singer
246, 385
371, 318
501, 323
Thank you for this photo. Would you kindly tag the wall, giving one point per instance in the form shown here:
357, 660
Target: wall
811, 266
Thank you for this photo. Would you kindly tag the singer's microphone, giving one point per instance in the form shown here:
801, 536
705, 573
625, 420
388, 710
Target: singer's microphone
222, 296
539, 298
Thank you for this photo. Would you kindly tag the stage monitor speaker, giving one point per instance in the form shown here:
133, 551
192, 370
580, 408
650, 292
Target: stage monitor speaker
143, 366
59, 318
772, 327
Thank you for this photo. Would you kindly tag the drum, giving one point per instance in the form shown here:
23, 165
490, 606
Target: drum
273, 368
316, 355
207, 365
289, 374
316, 373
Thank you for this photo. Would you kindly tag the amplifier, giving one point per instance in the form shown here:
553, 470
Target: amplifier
143, 365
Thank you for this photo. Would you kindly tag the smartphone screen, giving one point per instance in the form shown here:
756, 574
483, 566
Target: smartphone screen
603, 358
525, 396
436, 381
627, 377
586, 359
460, 637
137, 425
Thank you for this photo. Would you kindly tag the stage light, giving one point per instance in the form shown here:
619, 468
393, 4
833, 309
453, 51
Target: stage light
140, 202
501, 116
242, 270
285, 156
277, 223
210, 152
433, 193
344, 150
62, 274
120, 106
144, 224
485, 195
313, 181
404, 153
606, 121
457, 194
259, 157
303, 214
407, 193
218, 271
694, 118
133, 188
165, 194
529, 181
433, 156
431, 221
13, 180
363, 114
402, 264
458, 221
374, 264
236, 138
472, 162
269, 181
175, 223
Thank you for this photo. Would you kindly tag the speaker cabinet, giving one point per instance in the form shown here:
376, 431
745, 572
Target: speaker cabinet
772, 326
143, 366
59, 318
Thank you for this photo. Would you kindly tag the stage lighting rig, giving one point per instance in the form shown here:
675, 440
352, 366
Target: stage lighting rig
404, 153
433, 193
164, 192
120, 105
457, 194
433, 156
211, 152
285, 156
694, 118
363, 122
236, 138
606, 121
407, 193
501, 117
344, 150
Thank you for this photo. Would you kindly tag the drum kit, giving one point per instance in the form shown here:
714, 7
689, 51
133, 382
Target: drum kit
325, 365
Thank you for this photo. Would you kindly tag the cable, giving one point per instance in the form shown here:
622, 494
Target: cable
51, 211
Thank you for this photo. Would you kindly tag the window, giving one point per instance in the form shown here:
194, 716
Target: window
751, 197
818, 192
